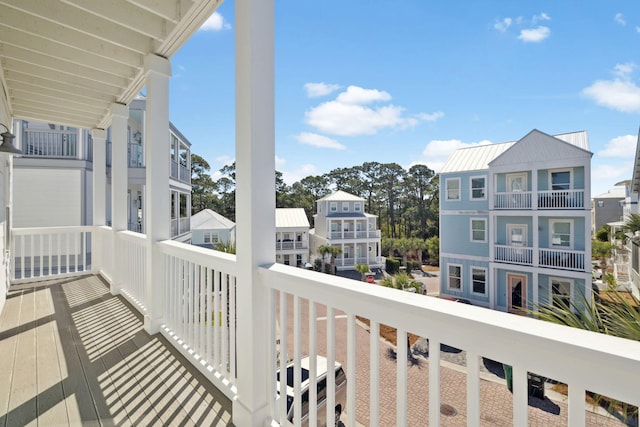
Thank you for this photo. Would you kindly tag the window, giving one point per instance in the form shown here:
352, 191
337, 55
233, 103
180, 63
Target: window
345, 207
478, 230
453, 188
561, 233
357, 207
478, 188
479, 280
561, 180
333, 206
454, 278
214, 238
207, 237
561, 292
600, 203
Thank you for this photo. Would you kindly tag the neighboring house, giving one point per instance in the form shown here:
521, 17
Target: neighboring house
631, 269
342, 222
515, 221
607, 208
292, 236
61, 157
209, 228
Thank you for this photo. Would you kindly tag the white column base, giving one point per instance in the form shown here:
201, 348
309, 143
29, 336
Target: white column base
152, 326
242, 416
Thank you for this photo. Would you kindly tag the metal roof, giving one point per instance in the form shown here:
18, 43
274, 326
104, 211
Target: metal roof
614, 193
291, 218
67, 61
478, 158
207, 219
341, 196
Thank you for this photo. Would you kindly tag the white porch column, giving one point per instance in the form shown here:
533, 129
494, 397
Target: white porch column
157, 201
119, 183
99, 137
255, 204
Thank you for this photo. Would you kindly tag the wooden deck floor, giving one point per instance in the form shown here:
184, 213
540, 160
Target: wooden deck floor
73, 354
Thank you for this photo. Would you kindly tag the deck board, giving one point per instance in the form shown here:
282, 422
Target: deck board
73, 354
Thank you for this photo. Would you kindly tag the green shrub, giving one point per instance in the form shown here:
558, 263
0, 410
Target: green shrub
413, 265
392, 265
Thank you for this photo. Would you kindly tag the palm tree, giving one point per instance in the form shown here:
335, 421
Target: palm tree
324, 251
363, 269
403, 246
632, 223
334, 251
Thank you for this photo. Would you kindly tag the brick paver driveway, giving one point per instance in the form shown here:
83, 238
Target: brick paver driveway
496, 402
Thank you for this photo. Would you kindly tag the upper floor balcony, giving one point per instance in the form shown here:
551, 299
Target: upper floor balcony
350, 235
289, 245
52, 143
200, 309
547, 199
562, 259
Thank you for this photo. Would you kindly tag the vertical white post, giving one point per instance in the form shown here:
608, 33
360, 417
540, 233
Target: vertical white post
99, 192
156, 214
119, 181
255, 202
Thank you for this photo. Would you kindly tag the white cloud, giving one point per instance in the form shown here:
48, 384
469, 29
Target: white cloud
430, 117
320, 141
280, 162
291, 177
225, 160
617, 94
534, 35
542, 17
350, 115
637, 29
215, 22
621, 146
503, 25
358, 95
315, 90
619, 18
436, 152
604, 176
624, 70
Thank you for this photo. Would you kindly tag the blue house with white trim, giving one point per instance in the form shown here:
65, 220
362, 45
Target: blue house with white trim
515, 222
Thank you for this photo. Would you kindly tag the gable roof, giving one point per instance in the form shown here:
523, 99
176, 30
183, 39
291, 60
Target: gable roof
614, 193
478, 158
341, 196
291, 217
209, 220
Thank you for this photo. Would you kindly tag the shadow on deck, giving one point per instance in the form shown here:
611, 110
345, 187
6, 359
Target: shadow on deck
73, 354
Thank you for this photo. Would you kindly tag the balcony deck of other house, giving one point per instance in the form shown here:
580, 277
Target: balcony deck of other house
73, 354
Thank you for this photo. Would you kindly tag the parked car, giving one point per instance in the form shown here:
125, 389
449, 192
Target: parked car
321, 410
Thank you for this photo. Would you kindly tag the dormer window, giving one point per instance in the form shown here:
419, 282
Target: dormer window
333, 207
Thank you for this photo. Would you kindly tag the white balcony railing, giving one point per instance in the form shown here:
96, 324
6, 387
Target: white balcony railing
133, 252
562, 259
561, 199
338, 235
512, 200
556, 199
180, 226
50, 143
47, 252
605, 363
514, 254
289, 246
199, 319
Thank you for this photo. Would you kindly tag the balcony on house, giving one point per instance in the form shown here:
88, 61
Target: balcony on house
555, 189
54, 142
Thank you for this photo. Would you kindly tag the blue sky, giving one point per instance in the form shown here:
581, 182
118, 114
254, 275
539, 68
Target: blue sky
410, 81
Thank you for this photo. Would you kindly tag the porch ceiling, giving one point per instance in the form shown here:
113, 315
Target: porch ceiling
67, 61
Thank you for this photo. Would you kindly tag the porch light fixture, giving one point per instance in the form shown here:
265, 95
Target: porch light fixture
7, 142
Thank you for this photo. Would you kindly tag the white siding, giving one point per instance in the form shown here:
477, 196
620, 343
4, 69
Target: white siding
47, 197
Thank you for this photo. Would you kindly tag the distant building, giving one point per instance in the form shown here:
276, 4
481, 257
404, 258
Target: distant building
607, 208
292, 236
342, 222
209, 228
515, 222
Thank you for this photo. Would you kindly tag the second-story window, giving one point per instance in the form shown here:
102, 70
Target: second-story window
345, 207
561, 233
357, 207
478, 188
453, 188
600, 203
479, 230
454, 278
333, 207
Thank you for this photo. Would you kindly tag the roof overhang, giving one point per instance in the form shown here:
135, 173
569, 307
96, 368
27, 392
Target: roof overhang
67, 61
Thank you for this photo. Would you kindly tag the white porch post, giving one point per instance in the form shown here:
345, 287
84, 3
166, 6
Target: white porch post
157, 202
255, 204
99, 137
119, 182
